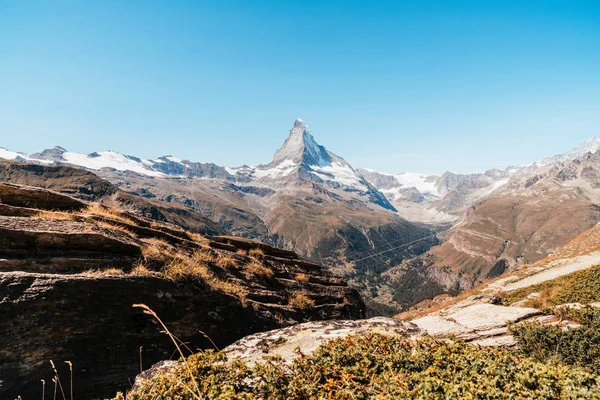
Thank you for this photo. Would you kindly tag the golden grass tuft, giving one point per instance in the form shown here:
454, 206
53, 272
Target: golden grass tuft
157, 250
242, 252
256, 253
226, 261
200, 239
301, 277
183, 266
259, 270
113, 227
140, 269
301, 301
107, 212
104, 272
55, 215
205, 256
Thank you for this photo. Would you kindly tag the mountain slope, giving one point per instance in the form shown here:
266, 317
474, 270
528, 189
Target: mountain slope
70, 271
432, 199
541, 208
307, 199
88, 186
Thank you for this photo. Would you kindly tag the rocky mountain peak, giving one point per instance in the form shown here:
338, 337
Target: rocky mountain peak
299, 123
54, 154
300, 147
589, 146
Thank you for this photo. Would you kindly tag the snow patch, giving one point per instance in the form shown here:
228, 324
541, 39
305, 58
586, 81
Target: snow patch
341, 173
418, 181
11, 155
174, 159
108, 159
283, 169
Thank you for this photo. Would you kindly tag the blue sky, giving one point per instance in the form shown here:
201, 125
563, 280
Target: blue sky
391, 85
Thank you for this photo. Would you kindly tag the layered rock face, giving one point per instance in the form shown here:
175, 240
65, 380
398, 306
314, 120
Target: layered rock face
68, 281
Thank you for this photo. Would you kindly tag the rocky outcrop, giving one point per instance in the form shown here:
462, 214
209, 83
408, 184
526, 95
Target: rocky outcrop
68, 282
483, 324
290, 342
478, 320
31, 197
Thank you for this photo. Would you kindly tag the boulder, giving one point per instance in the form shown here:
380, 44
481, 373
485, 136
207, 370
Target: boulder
484, 323
304, 338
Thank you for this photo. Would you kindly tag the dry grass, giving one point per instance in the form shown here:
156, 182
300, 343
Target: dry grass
106, 212
104, 272
257, 253
226, 261
301, 301
157, 250
301, 277
55, 215
113, 227
204, 256
259, 270
196, 237
183, 266
242, 252
140, 269
193, 389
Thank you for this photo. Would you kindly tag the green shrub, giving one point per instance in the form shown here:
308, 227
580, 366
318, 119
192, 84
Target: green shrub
378, 367
577, 346
577, 287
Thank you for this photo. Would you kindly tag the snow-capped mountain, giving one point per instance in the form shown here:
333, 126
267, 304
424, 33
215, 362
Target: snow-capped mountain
589, 146
436, 199
302, 160
307, 199
11, 155
310, 200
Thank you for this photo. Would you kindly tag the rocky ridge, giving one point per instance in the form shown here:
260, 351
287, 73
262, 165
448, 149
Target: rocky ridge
68, 280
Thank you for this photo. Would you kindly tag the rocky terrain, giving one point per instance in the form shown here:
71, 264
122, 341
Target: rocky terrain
437, 200
71, 269
307, 200
370, 227
539, 210
545, 312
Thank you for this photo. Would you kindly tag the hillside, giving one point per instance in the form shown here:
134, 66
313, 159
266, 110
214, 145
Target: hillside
539, 210
532, 333
71, 269
307, 200
397, 238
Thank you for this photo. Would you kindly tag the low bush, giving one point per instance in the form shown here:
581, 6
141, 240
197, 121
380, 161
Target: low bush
376, 367
577, 287
301, 301
577, 346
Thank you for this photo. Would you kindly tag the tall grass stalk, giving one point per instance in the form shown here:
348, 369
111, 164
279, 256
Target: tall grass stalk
71, 372
148, 311
58, 380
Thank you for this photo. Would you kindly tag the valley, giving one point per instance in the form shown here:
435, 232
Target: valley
397, 238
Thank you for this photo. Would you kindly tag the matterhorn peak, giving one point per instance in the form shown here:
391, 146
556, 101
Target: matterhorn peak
300, 147
299, 123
